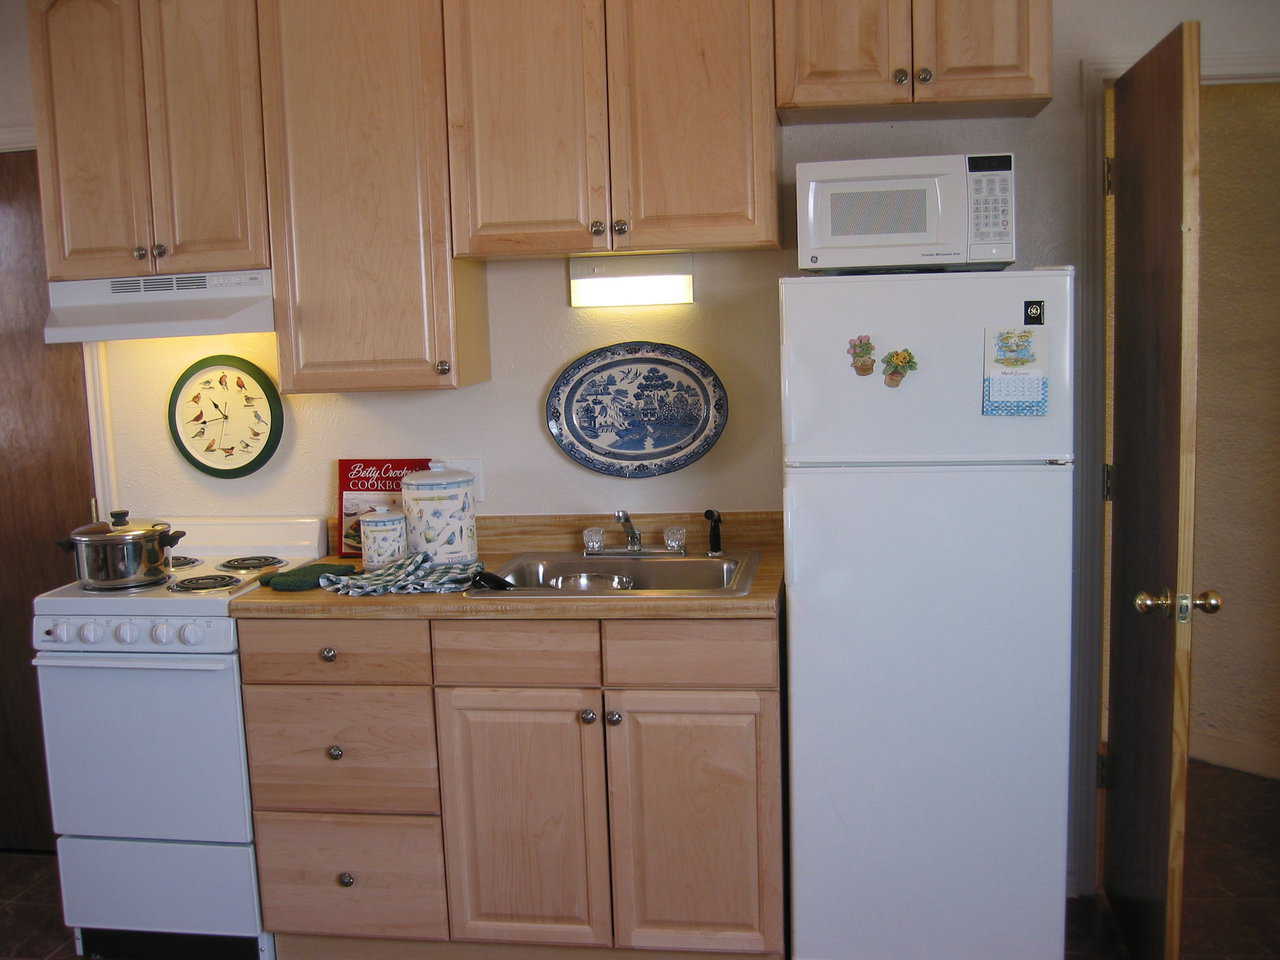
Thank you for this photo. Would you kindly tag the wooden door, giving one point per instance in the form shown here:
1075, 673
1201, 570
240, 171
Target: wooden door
1156, 290
204, 134
695, 799
528, 126
357, 176
982, 49
840, 52
91, 128
526, 839
692, 124
48, 478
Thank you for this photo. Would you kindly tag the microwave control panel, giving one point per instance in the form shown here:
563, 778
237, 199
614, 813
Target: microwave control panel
991, 199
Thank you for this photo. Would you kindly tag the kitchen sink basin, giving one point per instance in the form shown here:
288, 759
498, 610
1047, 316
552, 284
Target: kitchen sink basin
576, 575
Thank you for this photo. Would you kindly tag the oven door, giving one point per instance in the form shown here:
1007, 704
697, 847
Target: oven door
147, 746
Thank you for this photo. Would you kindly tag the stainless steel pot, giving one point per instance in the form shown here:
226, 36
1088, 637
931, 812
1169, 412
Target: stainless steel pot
121, 554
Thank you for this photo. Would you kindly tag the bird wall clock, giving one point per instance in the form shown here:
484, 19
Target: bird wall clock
225, 416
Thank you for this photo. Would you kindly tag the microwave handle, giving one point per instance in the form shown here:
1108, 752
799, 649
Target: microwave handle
132, 661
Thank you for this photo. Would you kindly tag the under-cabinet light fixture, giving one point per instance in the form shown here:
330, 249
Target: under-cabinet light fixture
631, 281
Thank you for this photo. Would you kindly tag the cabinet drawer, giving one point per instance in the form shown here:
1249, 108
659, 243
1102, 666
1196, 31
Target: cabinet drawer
691, 653
385, 744
521, 652
334, 651
395, 865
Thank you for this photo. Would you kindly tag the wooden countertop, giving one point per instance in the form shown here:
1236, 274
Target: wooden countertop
743, 532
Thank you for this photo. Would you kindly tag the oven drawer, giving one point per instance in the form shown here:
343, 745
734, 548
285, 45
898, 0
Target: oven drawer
208, 888
342, 749
352, 875
335, 651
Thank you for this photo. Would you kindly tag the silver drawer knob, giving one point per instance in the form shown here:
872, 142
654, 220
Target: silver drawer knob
346, 879
328, 654
588, 715
925, 75
597, 228
621, 226
160, 250
139, 253
334, 752
443, 367
901, 76
613, 718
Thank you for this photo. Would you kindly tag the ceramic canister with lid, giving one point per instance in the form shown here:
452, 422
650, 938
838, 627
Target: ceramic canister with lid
383, 537
440, 507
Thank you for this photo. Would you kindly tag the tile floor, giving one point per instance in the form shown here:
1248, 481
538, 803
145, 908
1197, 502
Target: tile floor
1231, 900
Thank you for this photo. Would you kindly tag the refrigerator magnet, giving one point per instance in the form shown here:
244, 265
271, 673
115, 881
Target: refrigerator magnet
897, 364
863, 351
1014, 383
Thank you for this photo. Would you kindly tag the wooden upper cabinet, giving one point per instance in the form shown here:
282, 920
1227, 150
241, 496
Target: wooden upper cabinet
366, 292
840, 59
528, 126
983, 49
692, 128
91, 128
204, 134
695, 798
150, 136
832, 52
525, 825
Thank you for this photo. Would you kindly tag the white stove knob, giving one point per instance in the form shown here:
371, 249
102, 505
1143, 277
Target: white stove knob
90, 633
161, 633
125, 633
59, 633
189, 634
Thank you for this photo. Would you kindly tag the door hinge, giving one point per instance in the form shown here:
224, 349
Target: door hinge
1103, 772
1108, 176
1108, 482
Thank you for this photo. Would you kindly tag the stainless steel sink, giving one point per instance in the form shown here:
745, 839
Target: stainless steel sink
564, 575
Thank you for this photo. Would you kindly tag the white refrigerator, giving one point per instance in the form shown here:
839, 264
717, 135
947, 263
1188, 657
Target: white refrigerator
929, 602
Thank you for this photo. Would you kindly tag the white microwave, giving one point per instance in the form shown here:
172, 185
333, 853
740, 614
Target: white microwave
906, 214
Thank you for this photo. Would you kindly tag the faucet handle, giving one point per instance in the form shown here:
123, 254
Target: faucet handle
621, 516
593, 539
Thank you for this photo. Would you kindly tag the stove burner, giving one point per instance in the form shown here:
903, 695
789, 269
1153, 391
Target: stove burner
205, 584
178, 562
250, 564
132, 588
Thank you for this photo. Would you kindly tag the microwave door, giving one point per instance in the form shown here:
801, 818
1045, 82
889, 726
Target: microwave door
877, 213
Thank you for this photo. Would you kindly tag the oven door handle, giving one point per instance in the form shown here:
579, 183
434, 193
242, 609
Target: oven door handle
134, 661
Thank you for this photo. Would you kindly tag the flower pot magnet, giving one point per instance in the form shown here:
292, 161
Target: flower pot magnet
897, 364
863, 352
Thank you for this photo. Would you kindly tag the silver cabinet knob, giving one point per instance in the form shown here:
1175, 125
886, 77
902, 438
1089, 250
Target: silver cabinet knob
901, 76
139, 253
160, 250
443, 367
621, 226
334, 752
346, 879
328, 654
597, 227
588, 715
613, 718
925, 75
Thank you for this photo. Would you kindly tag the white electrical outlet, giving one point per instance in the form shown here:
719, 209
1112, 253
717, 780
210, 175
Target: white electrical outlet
471, 465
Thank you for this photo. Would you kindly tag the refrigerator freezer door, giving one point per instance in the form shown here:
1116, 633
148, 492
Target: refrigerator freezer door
832, 415
929, 657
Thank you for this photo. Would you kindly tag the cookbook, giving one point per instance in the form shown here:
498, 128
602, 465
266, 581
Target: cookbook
364, 485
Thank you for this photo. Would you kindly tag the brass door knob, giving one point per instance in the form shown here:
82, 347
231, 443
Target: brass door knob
1210, 601
901, 76
1146, 602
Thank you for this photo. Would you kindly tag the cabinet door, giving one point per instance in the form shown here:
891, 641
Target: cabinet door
692, 124
204, 134
86, 66
838, 52
695, 800
526, 838
982, 49
357, 176
528, 126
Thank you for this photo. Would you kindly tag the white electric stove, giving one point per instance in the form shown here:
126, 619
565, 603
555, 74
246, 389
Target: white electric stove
144, 735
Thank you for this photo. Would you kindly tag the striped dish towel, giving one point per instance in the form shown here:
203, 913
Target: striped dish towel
414, 574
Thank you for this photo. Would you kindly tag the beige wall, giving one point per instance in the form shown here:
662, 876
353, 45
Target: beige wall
1235, 677
17, 130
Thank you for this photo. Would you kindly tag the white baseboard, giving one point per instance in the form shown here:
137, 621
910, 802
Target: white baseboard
1260, 758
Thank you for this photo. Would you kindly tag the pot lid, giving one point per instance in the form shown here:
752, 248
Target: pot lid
120, 528
431, 478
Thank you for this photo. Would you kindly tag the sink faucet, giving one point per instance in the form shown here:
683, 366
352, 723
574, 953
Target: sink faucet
713, 534
633, 535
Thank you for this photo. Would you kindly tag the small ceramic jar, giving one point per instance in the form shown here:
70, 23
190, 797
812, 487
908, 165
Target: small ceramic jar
440, 506
383, 537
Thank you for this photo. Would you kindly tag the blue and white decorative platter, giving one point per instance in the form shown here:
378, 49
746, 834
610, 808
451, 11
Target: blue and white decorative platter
637, 409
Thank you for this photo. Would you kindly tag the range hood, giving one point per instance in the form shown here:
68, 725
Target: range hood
181, 305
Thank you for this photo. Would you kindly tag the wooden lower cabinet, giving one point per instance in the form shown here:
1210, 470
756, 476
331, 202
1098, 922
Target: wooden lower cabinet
352, 875
695, 812
525, 823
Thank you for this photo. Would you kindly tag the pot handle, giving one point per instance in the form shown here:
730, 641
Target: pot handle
171, 538
66, 545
